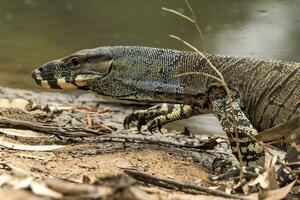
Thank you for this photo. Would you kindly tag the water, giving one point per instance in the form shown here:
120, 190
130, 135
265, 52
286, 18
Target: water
33, 32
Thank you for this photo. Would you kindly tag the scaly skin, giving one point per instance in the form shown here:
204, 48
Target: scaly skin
266, 93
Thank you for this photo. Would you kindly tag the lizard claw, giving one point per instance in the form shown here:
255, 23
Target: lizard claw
135, 116
140, 123
127, 121
154, 124
153, 118
142, 117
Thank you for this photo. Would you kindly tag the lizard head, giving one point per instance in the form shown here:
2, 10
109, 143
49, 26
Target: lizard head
106, 70
76, 71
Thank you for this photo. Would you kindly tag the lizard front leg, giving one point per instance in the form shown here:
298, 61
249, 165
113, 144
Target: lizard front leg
158, 115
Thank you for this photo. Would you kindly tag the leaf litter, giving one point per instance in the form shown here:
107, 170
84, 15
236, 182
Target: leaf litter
171, 158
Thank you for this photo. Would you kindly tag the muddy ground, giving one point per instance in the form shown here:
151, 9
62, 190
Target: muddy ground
96, 151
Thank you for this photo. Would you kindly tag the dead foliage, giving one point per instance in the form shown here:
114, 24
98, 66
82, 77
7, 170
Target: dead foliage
108, 165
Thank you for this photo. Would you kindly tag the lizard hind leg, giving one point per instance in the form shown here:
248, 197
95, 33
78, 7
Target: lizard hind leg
237, 127
252, 153
155, 117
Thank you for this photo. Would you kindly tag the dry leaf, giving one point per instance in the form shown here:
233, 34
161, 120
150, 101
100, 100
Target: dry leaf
22, 184
276, 132
66, 187
274, 194
272, 174
86, 179
279, 193
123, 164
268, 179
261, 180
41, 189
4, 179
30, 147
21, 172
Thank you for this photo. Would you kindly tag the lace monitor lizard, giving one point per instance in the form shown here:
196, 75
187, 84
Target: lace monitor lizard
265, 93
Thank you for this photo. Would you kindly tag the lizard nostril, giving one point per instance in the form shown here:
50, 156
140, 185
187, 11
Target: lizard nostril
37, 73
42, 70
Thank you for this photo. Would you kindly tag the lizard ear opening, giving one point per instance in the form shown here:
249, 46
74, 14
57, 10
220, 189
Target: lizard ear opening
103, 67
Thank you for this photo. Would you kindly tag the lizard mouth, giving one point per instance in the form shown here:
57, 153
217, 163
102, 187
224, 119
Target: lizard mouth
63, 80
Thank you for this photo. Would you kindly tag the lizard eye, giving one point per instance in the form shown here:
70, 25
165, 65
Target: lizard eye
75, 61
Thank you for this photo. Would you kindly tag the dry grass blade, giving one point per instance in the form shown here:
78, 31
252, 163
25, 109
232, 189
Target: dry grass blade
178, 13
196, 22
192, 19
223, 82
199, 73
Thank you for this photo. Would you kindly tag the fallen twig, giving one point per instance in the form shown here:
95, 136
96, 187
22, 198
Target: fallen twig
169, 184
42, 128
195, 143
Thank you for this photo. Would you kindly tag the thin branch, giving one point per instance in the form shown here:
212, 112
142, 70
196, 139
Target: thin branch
195, 143
178, 13
223, 82
48, 129
195, 21
292, 163
198, 73
192, 19
169, 184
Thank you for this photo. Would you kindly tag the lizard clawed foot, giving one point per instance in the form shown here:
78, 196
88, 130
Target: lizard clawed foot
135, 116
155, 117
143, 117
150, 116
